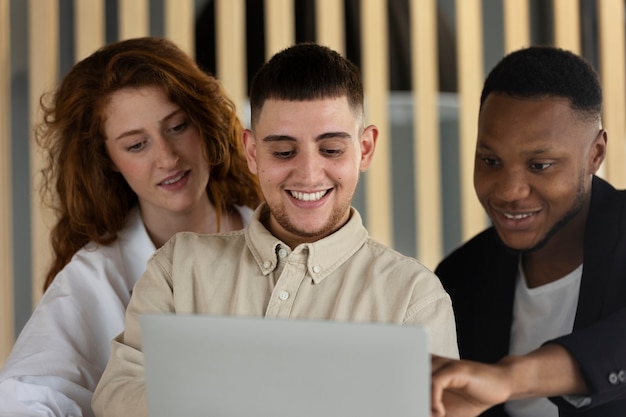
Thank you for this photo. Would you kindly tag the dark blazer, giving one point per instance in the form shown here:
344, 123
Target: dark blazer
480, 278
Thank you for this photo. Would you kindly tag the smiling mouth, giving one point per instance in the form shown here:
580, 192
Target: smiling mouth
517, 216
174, 179
308, 196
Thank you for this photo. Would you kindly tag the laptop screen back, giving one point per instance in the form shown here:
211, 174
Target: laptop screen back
234, 367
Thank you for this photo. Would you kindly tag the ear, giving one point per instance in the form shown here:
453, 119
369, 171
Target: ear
249, 147
368, 145
598, 151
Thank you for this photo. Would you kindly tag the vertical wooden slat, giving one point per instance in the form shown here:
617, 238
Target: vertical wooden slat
43, 55
7, 327
279, 26
329, 21
516, 25
134, 18
230, 18
89, 26
612, 70
180, 24
470, 58
567, 24
426, 131
375, 71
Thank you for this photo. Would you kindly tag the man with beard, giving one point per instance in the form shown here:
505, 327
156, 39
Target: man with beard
306, 253
539, 297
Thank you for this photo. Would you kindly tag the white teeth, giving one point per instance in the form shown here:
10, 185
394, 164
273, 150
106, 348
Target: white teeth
517, 216
308, 196
173, 180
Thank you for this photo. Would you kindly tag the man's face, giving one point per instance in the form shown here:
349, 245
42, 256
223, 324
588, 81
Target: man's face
308, 156
534, 162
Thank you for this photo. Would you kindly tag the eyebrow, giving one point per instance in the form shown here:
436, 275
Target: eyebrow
485, 147
327, 135
138, 131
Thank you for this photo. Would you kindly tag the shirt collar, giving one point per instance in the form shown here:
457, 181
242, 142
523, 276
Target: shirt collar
324, 255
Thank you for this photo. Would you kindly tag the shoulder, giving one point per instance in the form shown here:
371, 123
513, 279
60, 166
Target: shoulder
190, 246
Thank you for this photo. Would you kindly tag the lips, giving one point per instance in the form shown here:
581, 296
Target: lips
315, 196
174, 178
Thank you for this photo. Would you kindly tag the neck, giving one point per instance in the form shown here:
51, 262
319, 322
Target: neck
561, 255
202, 218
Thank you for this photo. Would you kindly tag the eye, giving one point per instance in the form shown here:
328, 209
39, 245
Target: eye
490, 162
136, 147
540, 166
331, 152
284, 154
179, 127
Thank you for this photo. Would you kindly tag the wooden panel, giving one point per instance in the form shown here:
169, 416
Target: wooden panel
134, 18
89, 19
329, 20
375, 58
180, 24
470, 58
516, 25
279, 26
6, 229
612, 70
43, 55
426, 132
567, 24
230, 17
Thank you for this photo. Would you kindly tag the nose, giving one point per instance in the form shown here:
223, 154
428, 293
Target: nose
511, 185
308, 166
166, 153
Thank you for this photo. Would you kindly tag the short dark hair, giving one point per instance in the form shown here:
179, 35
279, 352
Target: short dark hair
543, 71
306, 71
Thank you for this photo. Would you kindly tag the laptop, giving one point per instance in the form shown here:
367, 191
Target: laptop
202, 365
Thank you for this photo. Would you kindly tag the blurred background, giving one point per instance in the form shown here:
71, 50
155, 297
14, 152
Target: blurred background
423, 63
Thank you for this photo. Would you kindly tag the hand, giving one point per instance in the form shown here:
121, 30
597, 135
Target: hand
465, 388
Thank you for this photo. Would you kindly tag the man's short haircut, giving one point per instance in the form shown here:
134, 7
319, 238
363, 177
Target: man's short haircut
303, 72
544, 71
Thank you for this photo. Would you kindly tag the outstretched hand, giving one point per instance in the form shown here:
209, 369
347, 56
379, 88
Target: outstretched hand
465, 388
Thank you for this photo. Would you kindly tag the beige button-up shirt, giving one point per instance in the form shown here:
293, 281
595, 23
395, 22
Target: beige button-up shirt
346, 276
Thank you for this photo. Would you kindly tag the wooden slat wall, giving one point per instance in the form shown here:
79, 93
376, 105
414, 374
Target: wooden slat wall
516, 25
612, 70
133, 16
43, 55
6, 229
89, 22
470, 69
375, 73
230, 49
180, 24
427, 170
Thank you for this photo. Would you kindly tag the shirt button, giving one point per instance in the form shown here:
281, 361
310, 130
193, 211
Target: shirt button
613, 378
317, 269
621, 375
283, 295
267, 264
282, 253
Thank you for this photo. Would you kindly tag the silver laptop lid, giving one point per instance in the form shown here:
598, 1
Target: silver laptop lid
234, 367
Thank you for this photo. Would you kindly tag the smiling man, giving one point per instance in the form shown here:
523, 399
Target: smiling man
541, 293
306, 253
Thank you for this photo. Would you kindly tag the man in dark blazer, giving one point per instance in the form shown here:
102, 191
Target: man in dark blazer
539, 297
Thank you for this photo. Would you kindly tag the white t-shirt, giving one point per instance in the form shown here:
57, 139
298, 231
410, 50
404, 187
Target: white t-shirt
541, 314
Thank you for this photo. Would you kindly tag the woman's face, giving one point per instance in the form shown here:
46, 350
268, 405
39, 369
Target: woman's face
159, 152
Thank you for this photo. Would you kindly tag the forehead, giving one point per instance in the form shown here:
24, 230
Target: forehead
549, 120
309, 117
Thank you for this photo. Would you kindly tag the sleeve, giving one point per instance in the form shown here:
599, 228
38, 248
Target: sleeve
60, 354
600, 351
432, 308
121, 390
